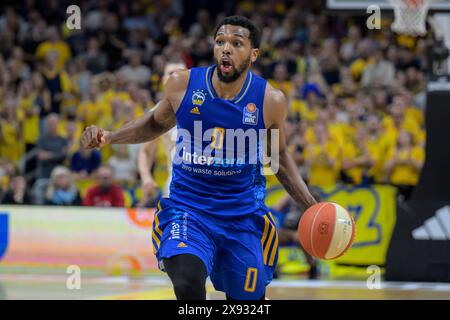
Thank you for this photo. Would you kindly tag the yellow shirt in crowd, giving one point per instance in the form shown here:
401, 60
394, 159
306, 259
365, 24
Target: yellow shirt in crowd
406, 174
12, 146
350, 152
60, 49
409, 124
285, 86
377, 149
301, 108
30, 123
321, 173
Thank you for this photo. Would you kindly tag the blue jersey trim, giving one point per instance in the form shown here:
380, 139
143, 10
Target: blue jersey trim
241, 94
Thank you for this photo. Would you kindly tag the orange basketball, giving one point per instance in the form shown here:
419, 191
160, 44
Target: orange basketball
326, 230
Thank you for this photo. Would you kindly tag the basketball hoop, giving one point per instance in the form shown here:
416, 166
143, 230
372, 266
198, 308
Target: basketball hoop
410, 16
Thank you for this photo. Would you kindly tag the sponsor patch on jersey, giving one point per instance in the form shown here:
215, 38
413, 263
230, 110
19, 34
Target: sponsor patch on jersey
250, 114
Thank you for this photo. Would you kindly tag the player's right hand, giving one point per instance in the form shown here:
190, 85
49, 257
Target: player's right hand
94, 137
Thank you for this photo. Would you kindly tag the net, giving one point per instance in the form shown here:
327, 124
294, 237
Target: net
410, 16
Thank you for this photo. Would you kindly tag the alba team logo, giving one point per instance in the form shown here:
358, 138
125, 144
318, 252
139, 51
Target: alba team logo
198, 97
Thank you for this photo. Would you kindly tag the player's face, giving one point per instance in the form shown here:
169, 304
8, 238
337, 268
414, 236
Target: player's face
233, 52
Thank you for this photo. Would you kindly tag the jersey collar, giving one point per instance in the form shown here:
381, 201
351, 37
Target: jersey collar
212, 92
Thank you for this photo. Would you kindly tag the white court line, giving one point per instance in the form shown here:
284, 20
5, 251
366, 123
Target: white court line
164, 280
407, 286
157, 280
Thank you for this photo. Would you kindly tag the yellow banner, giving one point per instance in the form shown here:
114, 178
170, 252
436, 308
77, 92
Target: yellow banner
373, 209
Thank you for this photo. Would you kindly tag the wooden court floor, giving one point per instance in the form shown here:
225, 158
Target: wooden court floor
25, 286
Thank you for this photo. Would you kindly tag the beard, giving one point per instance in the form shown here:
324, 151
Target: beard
232, 76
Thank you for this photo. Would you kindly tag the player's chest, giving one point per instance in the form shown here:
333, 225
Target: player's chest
219, 113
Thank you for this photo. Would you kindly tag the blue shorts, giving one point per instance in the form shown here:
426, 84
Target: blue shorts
240, 253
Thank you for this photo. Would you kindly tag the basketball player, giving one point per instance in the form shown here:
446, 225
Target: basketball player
214, 222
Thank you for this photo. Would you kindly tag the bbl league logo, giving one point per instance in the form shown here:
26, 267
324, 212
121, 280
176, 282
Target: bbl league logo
198, 97
250, 114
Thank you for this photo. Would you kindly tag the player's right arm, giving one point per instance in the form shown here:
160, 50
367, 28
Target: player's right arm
148, 127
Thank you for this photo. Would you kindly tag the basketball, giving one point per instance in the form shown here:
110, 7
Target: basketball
326, 230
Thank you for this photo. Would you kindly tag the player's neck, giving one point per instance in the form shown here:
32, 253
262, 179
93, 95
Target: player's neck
230, 90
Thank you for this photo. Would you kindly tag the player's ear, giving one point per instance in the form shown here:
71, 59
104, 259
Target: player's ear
254, 54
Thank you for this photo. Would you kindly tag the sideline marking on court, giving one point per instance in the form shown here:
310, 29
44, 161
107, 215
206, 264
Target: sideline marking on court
158, 294
406, 286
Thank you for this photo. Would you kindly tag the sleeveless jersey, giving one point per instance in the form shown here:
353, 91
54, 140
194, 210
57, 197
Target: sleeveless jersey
214, 172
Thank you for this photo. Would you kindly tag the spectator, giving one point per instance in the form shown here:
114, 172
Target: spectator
54, 46
43, 99
51, 148
348, 48
84, 162
322, 158
89, 110
379, 73
6, 171
135, 71
18, 192
57, 82
377, 146
281, 79
329, 61
356, 159
106, 193
403, 164
71, 129
12, 144
95, 59
202, 27
111, 38
17, 64
201, 53
30, 112
62, 191
123, 166
7, 41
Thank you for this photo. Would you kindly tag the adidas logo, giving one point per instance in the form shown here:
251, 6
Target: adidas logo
435, 228
182, 245
195, 110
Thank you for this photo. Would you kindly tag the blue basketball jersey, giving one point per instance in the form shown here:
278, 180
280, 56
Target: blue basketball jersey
213, 172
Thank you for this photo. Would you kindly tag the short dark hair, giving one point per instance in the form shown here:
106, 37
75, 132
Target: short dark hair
255, 33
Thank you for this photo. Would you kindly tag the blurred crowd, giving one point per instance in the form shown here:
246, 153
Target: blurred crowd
357, 96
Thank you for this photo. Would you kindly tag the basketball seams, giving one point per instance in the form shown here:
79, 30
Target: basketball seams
311, 231
335, 226
352, 238
339, 212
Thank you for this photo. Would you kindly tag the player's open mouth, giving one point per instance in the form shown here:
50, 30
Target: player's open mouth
226, 66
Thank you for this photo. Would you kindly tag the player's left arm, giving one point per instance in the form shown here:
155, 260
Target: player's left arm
275, 113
